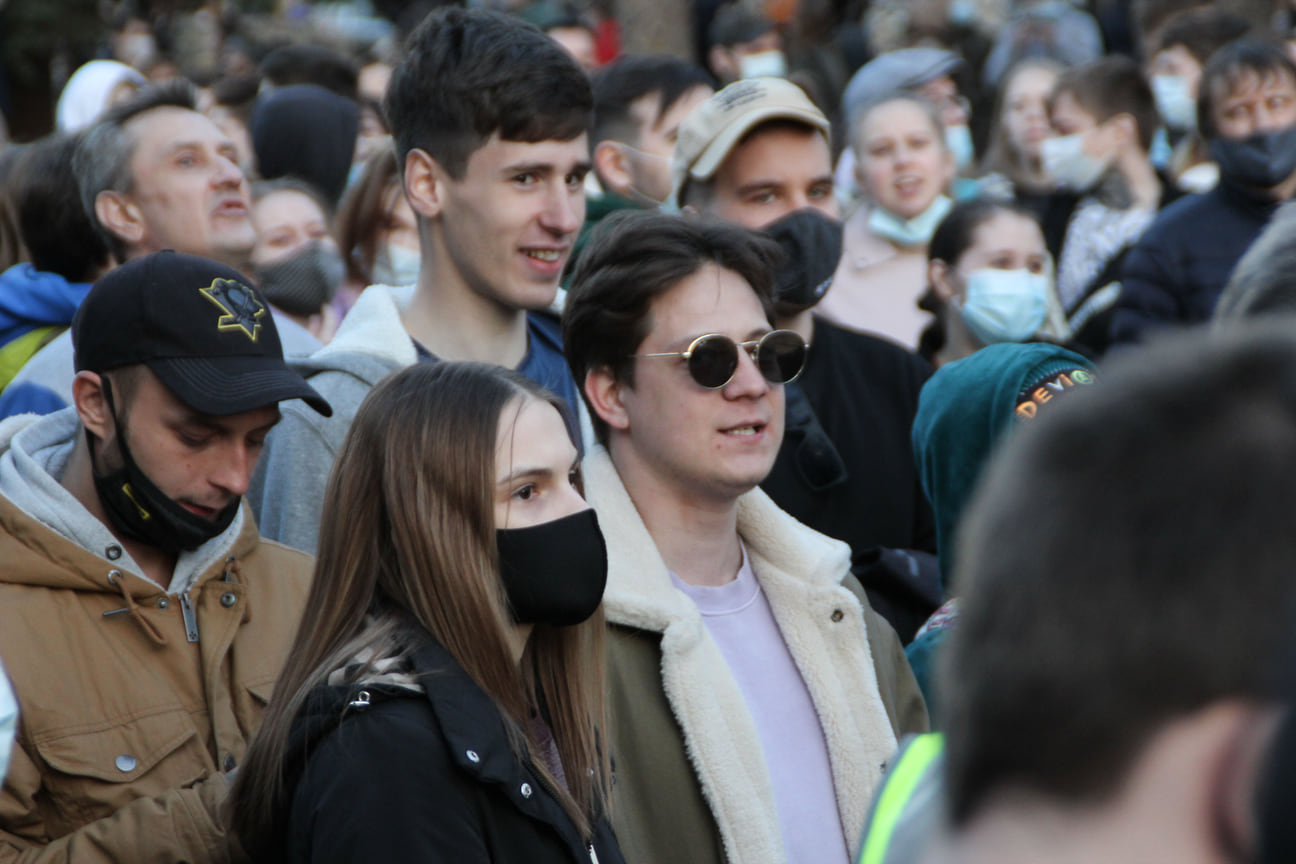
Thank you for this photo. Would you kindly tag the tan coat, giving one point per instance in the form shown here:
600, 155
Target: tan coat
127, 727
690, 777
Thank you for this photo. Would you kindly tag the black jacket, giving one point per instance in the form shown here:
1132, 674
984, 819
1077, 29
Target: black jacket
423, 778
1175, 273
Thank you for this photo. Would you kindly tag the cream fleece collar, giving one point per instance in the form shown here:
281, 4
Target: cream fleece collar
823, 625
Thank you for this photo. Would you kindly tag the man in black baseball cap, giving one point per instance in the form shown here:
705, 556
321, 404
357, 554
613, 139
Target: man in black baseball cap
143, 621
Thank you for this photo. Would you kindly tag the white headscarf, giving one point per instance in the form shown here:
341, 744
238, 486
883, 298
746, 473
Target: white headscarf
86, 95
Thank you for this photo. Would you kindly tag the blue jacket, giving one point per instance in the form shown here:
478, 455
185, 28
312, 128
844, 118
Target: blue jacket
1175, 273
31, 298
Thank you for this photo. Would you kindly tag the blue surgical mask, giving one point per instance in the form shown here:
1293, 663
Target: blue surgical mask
959, 141
767, 64
397, 265
1174, 103
1005, 305
1066, 162
909, 232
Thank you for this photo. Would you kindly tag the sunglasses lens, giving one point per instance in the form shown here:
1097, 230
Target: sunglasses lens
713, 361
781, 356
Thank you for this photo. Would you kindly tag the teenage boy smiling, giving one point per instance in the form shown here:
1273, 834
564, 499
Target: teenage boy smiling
489, 119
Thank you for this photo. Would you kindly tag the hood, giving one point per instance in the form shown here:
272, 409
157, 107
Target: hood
31, 298
371, 342
48, 538
307, 132
87, 93
963, 412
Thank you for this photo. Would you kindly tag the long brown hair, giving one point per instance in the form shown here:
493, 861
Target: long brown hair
408, 531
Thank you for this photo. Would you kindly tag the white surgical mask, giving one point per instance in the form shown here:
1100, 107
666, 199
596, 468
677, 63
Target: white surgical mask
909, 232
397, 265
1175, 104
1066, 162
767, 64
959, 141
8, 721
1005, 305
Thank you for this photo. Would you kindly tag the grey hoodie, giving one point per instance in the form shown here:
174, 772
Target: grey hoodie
287, 490
34, 453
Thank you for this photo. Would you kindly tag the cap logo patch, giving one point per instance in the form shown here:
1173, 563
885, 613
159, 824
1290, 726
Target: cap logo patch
240, 308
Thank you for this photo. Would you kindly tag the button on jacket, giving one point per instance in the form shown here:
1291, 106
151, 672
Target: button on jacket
127, 725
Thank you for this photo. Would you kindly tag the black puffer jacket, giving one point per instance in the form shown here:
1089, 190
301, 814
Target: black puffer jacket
419, 777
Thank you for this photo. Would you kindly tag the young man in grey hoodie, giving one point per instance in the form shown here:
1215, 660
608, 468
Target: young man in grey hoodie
489, 119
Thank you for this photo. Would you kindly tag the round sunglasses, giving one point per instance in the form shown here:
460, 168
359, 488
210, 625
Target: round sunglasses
712, 359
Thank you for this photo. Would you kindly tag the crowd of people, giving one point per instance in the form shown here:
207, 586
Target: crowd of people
493, 447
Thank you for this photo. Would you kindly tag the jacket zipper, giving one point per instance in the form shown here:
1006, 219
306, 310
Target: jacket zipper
190, 619
593, 855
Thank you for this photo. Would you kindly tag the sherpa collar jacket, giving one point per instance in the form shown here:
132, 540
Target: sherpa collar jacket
690, 780
128, 722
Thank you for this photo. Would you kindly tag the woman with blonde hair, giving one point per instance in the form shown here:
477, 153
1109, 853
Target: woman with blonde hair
443, 698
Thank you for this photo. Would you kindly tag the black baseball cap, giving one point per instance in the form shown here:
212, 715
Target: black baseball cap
198, 325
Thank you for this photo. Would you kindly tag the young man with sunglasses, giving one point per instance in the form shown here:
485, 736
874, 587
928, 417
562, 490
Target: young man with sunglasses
754, 695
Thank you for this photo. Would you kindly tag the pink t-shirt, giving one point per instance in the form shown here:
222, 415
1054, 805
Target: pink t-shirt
739, 619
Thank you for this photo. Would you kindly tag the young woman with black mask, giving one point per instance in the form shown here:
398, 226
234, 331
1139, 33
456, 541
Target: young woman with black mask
443, 698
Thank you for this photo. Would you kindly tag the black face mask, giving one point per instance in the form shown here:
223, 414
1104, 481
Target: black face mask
554, 572
302, 283
1261, 161
142, 512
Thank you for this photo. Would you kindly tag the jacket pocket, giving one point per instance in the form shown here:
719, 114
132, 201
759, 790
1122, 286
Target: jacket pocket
93, 774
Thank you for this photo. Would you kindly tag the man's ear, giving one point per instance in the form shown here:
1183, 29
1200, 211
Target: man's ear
721, 63
120, 216
91, 406
612, 167
424, 184
1237, 767
604, 395
939, 278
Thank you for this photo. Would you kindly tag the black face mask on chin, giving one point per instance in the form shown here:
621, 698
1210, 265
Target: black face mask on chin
140, 511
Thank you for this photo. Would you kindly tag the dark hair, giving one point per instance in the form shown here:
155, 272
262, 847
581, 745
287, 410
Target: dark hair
952, 237
472, 74
633, 258
1202, 32
101, 162
419, 553
1262, 57
1149, 16
1153, 578
735, 23
312, 64
1264, 280
1111, 86
628, 79
364, 214
59, 234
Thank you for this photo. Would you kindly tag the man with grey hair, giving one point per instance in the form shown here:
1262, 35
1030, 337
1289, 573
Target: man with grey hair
154, 174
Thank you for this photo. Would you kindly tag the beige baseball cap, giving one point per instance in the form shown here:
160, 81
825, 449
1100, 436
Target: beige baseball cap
713, 128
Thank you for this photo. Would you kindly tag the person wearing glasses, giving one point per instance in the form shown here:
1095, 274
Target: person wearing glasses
753, 694
756, 154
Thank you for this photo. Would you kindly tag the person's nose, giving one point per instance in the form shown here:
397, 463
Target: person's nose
747, 380
227, 173
233, 473
564, 211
